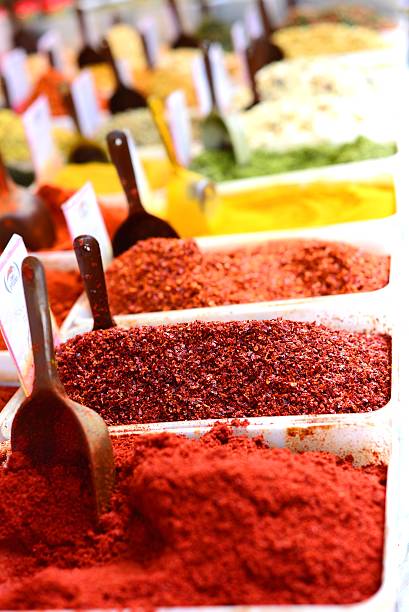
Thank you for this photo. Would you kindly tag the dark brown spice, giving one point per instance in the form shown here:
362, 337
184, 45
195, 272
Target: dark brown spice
218, 521
219, 370
169, 274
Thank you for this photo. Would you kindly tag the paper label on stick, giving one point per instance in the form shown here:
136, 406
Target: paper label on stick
201, 85
179, 125
13, 313
240, 46
148, 29
85, 102
15, 74
83, 216
221, 79
253, 21
51, 44
38, 129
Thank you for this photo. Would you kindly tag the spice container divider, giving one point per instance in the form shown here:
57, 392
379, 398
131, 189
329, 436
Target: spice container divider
378, 236
353, 313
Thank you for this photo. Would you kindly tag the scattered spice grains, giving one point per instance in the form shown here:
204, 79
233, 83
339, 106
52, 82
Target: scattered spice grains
170, 274
223, 520
218, 370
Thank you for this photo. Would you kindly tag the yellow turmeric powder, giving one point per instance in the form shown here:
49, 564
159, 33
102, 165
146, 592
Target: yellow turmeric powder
309, 205
104, 177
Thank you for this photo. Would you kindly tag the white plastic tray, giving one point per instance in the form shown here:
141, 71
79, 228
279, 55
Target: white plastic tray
367, 445
357, 313
378, 236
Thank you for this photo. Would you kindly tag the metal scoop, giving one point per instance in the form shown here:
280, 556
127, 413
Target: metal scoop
124, 98
139, 224
89, 261
183, 39
23, 213
49, 428
88, 56
263, 50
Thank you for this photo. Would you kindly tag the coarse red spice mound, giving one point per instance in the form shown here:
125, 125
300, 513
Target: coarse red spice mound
223, 520
219, 370
169, 274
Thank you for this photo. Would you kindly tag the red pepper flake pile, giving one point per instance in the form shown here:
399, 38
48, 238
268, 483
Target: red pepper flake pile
55, 88
219, 370
223, 520
170, 274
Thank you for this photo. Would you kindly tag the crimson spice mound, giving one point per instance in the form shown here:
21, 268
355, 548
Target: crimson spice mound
170, 274
222, 520
219, 370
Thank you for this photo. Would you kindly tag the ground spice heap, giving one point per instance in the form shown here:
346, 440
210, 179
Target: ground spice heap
169, 274
219, 370
223, 520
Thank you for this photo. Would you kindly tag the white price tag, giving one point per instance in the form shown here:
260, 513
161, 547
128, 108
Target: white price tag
240, 45
141, 178
15, 74
148, 29
85, 102
38, 129
201, 85
125, 72
83, 216
254, 24
179, 125
13, 313
221, 79
50, 43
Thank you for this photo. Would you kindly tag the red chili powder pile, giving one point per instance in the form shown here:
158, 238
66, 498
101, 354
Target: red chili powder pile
219, 370
223, 520
169, 274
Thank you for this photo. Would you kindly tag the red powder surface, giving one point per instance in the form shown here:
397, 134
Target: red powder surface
223, 520
169, 274
219, 370
5, 394
55, 197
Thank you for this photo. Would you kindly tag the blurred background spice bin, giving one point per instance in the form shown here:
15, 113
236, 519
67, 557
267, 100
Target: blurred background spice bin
158, 274
316, 197
259, 367
224, 452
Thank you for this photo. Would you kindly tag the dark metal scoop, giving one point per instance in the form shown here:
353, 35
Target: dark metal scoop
139, 224
88, 56
23, 213
49, 428
89, 261
183, 39
124, 98
263, 50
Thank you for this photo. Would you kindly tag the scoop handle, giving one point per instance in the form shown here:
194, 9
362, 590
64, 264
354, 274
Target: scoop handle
250, 61
109, 56
209, 74
121, 157
176, 15
157, 109
39, 318
204, 7
82, 24
89, 260
265, 18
